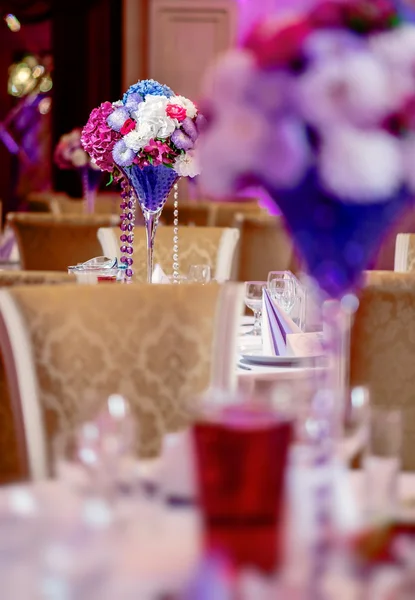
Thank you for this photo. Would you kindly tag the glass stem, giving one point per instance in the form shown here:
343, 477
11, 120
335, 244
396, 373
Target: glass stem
257, 322
151, 221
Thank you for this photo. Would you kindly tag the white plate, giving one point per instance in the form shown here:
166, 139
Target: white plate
257, 358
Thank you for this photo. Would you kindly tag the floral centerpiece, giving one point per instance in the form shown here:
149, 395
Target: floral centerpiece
320, 110
147, 140
69, 154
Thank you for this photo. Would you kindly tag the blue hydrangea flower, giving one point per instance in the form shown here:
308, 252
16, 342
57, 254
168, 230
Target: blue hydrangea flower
148, 87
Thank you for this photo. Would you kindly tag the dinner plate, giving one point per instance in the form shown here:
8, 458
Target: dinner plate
257, 358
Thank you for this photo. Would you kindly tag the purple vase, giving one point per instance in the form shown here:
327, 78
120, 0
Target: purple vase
336, 240
152, 185
91, 179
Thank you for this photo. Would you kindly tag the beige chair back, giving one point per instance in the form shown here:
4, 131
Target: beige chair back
52, 243
405, 252
383, 348
215, 246
10, 464
67, 348
264, 246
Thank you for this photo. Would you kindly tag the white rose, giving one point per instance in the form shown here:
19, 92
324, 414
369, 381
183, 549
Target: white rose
188, 105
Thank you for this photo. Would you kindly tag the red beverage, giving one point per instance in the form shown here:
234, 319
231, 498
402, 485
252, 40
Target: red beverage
241, 466
111, 278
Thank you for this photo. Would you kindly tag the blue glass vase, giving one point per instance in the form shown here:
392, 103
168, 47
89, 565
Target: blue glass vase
336, 240
91, 179
152, 185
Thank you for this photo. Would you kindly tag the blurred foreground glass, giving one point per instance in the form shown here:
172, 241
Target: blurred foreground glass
199, 274
253, 300
382, 461
241, 462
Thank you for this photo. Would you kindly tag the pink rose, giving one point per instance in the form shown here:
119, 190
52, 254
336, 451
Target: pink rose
128, 126
174, 111
281, 47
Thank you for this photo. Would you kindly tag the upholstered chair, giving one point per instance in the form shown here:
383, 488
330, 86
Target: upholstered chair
197, 214
383, 348
222, 214
67, 348
50, 242
264, 246
215, 246
10, 466
405, 252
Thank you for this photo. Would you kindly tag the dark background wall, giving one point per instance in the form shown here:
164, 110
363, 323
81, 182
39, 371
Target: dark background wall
85, 40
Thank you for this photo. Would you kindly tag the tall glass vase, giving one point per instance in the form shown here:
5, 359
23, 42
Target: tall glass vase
337, 242
151, 186
91, 179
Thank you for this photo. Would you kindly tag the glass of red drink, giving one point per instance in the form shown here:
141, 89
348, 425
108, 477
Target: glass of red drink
241, 462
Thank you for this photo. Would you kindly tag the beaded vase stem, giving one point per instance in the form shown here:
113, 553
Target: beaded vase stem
176, 265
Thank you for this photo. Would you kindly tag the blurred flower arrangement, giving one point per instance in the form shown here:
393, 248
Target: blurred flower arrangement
149, 126
69, 153
334, 89
320, 110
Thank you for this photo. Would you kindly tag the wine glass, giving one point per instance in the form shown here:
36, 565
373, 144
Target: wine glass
253, 300
199, 274
282, 287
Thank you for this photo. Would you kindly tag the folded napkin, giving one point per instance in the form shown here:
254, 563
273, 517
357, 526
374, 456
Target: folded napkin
276, 326
159, 275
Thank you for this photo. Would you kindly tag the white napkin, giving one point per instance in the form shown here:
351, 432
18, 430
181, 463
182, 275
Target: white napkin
276, 326
159, 275
304, 344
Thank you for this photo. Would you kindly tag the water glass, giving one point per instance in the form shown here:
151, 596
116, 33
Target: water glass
241, 461
253, 300
282, 287
382, 461
199, 274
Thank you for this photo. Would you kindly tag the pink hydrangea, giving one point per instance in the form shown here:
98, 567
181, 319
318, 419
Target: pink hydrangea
98, 139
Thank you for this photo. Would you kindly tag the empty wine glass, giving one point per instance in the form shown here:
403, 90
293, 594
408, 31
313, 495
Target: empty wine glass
253, 300
199, 274
282, 287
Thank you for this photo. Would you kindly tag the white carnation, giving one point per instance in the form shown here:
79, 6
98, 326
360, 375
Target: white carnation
361, 166
141, 136
188, 105
355, 88
187, 165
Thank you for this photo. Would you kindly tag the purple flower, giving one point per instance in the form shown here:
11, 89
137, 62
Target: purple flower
201, 123
133, 101
122, 155
117, 118
190, 128
181, 140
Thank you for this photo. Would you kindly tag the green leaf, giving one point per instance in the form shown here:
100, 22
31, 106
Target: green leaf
150, 160
111, 179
